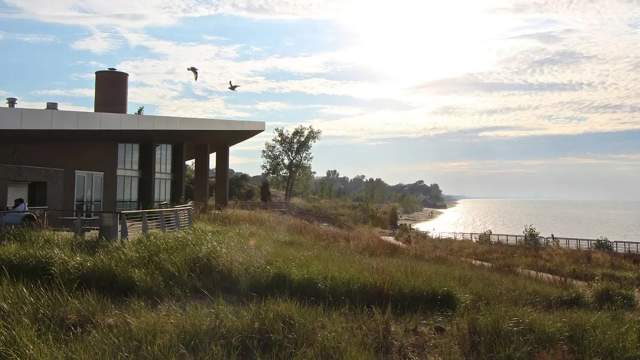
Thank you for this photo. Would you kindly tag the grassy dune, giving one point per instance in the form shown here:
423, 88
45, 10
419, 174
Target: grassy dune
590, 266
259, 285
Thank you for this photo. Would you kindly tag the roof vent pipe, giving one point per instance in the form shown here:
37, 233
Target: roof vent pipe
52, 106
12, 102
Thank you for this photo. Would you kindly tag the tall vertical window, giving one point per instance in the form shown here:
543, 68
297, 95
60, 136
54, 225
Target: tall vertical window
88, 196
128, 176
162, 188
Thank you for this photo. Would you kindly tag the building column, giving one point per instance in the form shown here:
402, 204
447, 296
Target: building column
222, 177
201, 177
146, 194
4, 184
178, 169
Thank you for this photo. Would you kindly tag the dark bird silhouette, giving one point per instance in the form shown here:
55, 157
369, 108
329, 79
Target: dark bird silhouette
194, 70
233, 87
140, 111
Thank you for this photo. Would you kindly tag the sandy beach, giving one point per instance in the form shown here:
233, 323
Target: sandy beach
425, 214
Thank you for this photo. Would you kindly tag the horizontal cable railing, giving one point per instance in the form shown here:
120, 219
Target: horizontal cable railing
137, 222
563, 242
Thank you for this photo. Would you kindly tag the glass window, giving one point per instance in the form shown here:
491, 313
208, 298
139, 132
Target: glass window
135, 159
120, 156
120, 192
127, 156
88, 192
168, 160
127, 188
134, 189
162, 191
79, 187
128, 176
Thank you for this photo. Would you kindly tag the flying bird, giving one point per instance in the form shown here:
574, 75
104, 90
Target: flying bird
194, 70
233, 87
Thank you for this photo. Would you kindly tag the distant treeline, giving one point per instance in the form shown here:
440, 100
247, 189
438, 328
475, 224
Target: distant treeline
409, 197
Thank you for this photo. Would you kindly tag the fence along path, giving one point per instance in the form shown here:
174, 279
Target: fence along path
564, 242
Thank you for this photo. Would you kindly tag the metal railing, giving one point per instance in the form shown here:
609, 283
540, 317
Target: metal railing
107, 224
142, 222
563, 242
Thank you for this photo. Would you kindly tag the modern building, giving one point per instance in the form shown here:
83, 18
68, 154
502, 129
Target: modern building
109, 160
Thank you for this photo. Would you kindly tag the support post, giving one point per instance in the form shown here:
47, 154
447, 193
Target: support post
163, 224
147, 175
124, 227
176, 218
222, 177
201, 177
145, 224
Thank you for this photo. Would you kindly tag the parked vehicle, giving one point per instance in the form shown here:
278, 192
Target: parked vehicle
19, 215
12, 218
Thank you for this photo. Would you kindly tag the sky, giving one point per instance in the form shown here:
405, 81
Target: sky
526, 99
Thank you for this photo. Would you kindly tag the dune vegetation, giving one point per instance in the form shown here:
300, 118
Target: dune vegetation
255, 284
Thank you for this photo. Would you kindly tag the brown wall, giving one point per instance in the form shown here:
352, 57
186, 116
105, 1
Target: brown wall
53, 177
69, 156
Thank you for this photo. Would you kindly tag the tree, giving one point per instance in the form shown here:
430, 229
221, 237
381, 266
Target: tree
189, 182
531, 236
265, 192
393, 218
289, 154
240, 187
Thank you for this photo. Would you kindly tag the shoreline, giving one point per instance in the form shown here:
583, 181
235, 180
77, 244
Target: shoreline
423, 215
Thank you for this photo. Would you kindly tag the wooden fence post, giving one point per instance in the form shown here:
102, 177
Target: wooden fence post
145, 224
163, 225
176, 216
124, 228
77, 226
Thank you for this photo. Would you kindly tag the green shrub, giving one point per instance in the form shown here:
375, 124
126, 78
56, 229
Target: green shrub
531, 236
603, 244
568, 300
393, 218
610, 297
485, 238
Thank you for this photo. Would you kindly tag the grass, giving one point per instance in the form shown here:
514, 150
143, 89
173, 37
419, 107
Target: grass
259, 285
344, 213
622, 270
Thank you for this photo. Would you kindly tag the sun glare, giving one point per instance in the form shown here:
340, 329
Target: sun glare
413, 41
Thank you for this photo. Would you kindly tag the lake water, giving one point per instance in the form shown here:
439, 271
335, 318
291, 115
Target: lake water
617, 220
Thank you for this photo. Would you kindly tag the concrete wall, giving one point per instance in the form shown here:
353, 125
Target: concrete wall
68, 156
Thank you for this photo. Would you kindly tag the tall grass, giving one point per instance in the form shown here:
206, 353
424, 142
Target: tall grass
589, 266
259, 285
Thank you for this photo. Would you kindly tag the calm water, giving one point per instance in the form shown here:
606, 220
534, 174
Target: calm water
587, 219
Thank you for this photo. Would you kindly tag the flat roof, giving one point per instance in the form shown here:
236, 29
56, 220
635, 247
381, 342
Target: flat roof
36, 119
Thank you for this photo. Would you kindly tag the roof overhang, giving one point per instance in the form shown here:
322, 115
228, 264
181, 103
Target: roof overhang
24, 125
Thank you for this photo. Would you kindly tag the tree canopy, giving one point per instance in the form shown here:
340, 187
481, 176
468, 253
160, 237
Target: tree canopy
288, 155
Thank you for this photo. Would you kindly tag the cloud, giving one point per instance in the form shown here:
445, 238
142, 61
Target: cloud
98, 42
137, 15
200, 108
28, 38
271, 106
85, 92
474, 84
531, 166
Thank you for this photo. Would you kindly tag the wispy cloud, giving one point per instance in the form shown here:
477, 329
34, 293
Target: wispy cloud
28, 37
